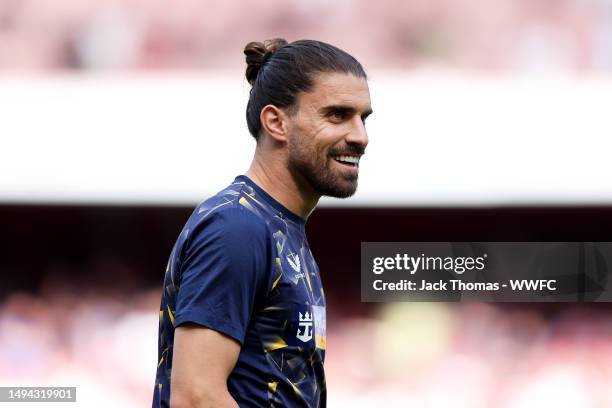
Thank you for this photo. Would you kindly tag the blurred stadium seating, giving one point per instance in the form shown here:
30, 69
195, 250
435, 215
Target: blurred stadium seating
512, 35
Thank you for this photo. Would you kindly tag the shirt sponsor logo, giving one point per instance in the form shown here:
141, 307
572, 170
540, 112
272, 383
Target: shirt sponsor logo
306, 325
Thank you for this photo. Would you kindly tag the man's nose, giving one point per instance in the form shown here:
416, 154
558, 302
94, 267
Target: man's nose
358, 134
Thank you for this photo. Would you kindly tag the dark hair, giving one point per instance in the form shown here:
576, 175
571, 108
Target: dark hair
278, 71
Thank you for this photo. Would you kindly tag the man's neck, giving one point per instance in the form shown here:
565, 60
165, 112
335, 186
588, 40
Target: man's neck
282, 186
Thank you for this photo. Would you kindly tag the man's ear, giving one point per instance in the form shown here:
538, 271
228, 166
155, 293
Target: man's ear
274, 122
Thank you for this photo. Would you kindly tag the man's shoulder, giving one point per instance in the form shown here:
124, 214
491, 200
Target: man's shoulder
231, 210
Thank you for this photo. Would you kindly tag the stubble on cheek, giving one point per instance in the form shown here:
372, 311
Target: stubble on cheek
310, 157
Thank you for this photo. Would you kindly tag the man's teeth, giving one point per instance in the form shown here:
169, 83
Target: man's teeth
348, 159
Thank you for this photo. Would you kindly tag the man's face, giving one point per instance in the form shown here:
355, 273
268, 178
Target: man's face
327, 133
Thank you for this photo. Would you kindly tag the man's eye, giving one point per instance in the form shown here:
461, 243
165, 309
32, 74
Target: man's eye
338, 115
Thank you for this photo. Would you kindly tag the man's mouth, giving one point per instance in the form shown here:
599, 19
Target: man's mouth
352, 161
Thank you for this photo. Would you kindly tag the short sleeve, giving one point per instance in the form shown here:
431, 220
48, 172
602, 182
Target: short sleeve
224, 265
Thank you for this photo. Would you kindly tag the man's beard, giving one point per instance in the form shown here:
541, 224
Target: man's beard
316, 170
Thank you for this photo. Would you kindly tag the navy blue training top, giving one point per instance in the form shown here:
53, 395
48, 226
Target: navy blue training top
242, 266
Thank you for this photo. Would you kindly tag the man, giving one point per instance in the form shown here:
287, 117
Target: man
242, 318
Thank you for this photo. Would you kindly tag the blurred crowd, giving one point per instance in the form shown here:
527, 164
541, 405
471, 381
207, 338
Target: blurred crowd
568, 35
409, 354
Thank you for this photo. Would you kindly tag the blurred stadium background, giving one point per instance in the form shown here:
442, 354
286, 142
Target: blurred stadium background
491, 123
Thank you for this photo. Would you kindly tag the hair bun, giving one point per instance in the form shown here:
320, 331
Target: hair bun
257, 53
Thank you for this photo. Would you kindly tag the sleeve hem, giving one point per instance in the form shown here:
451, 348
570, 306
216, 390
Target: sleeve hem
232, 332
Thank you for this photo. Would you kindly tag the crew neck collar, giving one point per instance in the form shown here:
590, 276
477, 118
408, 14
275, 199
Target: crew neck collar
278, 206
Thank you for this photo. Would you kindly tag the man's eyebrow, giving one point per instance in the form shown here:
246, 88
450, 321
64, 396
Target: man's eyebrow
344, 108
